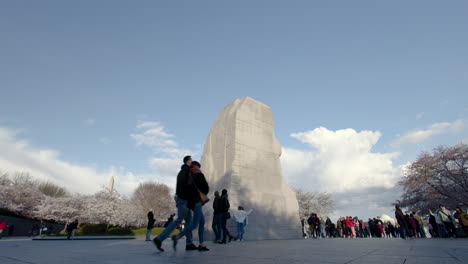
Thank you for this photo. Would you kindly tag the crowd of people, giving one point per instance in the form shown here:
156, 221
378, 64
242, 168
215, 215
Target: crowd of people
191, 195
443, 223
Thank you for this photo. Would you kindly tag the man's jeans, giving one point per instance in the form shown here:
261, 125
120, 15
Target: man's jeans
240, 230
421, 230
197, 221
217, 219
148, 233
182, 213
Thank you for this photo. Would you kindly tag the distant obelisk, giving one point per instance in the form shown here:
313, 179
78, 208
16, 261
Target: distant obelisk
111, 184
241, 154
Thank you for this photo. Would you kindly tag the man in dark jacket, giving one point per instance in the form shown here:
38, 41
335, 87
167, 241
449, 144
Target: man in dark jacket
404, 231
217, 218
183, 188
195, 203
150, 226
71, 228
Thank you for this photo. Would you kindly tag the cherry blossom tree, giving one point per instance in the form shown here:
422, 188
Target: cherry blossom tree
314, 202
156, 196
440, 177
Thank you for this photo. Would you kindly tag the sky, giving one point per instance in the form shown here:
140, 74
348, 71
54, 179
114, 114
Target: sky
358, 89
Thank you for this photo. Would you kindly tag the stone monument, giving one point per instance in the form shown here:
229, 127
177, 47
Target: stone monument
241, 154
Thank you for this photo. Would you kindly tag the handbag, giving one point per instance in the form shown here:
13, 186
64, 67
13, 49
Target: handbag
203, 198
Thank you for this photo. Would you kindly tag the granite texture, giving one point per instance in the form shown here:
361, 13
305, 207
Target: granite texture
241, 154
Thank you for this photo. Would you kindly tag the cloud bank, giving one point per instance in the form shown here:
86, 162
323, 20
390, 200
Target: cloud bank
45, 164
341, 162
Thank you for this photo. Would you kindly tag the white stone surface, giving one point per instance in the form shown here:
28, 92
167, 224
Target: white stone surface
241, 154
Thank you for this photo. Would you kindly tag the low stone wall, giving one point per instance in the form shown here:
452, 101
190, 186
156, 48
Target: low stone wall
23, 227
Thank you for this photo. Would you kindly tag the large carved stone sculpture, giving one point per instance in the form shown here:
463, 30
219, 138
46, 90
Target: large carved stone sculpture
241, 154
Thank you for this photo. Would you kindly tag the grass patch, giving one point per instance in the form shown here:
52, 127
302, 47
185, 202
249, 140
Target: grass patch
155, 232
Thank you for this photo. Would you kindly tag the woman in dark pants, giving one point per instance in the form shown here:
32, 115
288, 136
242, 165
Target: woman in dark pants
224, 210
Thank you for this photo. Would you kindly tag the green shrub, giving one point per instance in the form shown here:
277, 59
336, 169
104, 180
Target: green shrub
122, 231
92, 229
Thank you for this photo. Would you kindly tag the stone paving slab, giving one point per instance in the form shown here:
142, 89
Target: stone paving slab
345, 251
82, 238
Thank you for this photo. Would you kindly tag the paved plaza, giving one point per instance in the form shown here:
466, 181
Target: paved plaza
23, 250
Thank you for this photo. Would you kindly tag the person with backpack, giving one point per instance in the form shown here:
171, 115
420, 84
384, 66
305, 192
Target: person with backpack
225, 215
195, 202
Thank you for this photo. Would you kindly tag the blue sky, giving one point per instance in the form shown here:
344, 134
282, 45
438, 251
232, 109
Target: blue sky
78, 77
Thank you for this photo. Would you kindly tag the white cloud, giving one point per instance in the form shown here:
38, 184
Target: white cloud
155, 136
169, 155
46, 164
90, 121
342, 163
419, 136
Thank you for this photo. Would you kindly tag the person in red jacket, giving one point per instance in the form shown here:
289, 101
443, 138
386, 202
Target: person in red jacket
350, 225
3, 226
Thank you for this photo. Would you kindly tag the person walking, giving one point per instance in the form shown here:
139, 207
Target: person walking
11, 230
169, 220
3, 226
462, 217
312, 224
217, 218
404, 232
241, 218
183, 189
150, 225
195, 203
224, 210
442, 232
328, 226
447, 219
420, 227
71, 229
339, 227
349, 223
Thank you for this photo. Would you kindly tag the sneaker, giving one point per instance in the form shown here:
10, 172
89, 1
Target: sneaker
191, 247
174, 242
158, 244
202, 248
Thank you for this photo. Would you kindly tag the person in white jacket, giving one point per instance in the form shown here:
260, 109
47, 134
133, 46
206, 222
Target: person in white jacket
241, 219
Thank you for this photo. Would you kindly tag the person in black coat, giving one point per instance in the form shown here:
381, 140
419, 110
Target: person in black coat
217, 218
71, 228
224, 211
195, 203
150, 225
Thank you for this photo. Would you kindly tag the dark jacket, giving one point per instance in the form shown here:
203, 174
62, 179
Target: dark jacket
400, 217
150, 220
224, 204
199, 184
183, 186
216, 205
